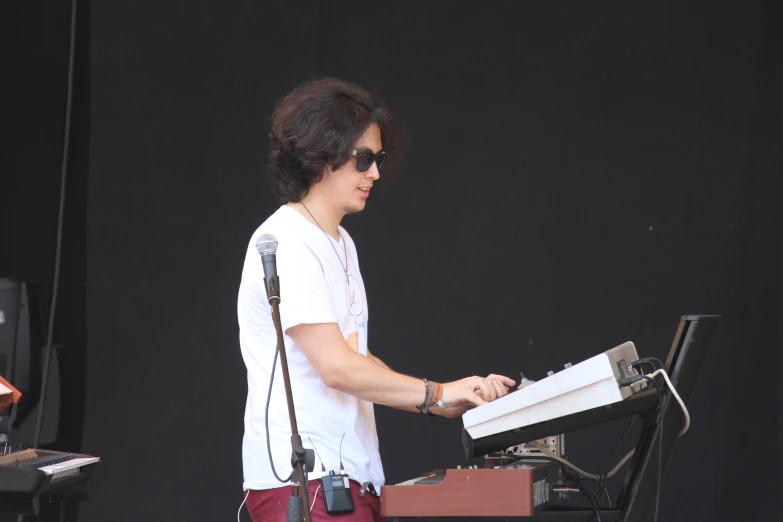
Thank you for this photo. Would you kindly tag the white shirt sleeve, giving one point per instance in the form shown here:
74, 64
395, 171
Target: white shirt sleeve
305, 297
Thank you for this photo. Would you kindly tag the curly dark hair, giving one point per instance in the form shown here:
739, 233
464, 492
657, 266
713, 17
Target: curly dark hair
316, 125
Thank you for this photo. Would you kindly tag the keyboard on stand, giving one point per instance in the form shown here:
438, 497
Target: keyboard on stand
29, 474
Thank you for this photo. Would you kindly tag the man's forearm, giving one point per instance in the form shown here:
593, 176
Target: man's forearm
344, 369
370, 379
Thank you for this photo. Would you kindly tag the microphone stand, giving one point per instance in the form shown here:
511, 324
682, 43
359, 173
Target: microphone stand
298, 503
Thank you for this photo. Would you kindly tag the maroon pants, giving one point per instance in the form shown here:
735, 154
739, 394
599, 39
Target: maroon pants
270, 505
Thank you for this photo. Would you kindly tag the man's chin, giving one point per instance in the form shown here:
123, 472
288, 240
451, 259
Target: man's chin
353, 209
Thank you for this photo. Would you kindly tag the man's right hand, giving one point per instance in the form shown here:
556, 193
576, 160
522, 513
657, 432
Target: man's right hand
460, 396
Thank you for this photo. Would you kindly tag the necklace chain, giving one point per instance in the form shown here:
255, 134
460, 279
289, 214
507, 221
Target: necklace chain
345, 268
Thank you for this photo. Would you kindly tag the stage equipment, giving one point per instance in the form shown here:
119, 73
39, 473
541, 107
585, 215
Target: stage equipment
30, 475
609, 386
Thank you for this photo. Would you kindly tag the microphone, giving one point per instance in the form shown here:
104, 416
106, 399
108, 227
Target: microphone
266, 244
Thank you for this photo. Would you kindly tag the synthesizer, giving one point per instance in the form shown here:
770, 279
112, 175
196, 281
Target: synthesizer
522, 488
33, 472
590, 384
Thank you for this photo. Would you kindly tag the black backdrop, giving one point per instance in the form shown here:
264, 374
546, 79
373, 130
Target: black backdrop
579, 177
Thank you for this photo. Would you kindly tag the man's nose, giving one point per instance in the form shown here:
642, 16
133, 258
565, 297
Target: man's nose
373, 173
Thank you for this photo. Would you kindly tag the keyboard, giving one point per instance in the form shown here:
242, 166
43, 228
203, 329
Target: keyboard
521, 489
33, 472
584, 386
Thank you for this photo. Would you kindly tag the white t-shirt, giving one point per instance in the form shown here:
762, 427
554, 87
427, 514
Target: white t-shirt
313, 289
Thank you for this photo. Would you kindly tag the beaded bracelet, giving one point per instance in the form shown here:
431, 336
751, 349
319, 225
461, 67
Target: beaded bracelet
430, 392
436, 398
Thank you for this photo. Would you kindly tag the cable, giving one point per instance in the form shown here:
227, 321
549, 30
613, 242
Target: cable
603, 477
59, 241
583, 473
608, 498
652, 361
596, 503
659, 432
676, 396
602, 494
242, 504
561, 463
266, 423
315, 495
660, 440
577, 490
587, 493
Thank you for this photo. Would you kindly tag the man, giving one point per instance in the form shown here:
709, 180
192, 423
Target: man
329, 142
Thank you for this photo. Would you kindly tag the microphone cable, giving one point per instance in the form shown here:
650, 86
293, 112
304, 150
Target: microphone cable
266, 422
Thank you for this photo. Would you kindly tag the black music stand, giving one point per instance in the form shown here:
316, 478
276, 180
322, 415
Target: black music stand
637, 498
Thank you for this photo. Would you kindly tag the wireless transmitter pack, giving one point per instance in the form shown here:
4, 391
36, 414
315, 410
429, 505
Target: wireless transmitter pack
337, 493
337, 488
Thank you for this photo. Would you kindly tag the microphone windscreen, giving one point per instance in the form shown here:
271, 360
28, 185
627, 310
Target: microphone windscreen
266, 244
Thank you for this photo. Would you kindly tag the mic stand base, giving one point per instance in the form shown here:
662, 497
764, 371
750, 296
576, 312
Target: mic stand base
295, 508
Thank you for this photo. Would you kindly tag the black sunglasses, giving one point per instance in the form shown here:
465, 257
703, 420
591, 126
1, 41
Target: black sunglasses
365, 158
